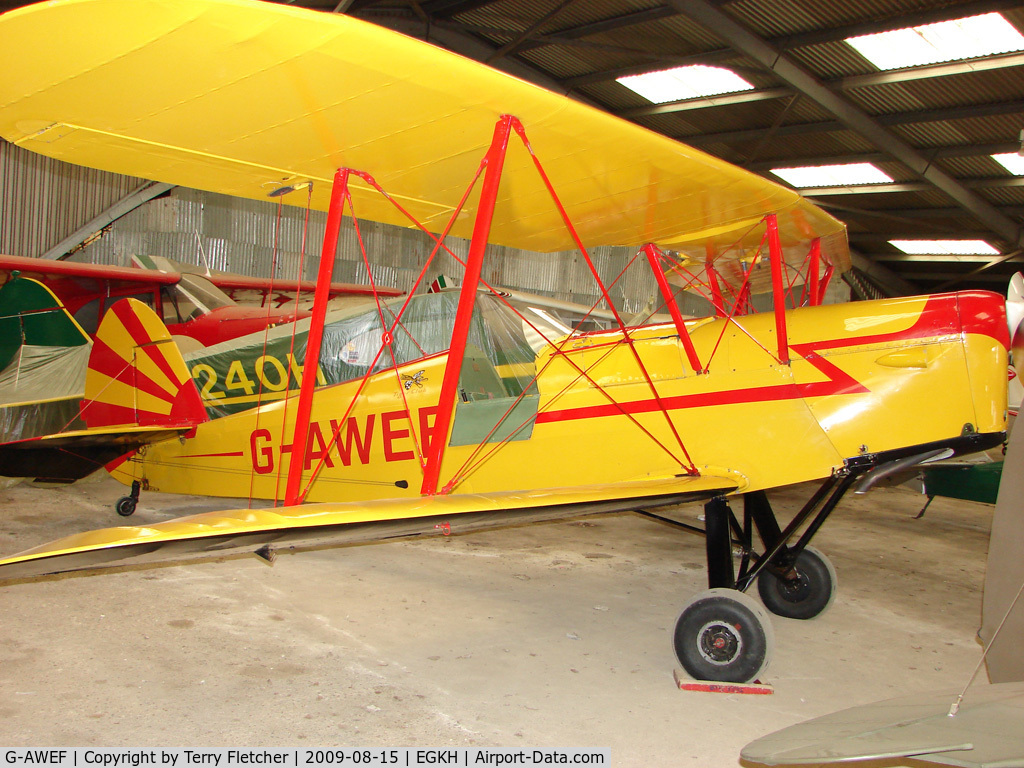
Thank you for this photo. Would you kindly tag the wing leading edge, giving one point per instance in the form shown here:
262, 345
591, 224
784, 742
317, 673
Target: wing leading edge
213, 534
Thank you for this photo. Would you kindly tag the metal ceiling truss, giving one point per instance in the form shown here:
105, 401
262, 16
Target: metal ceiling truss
849, 116
815, 37
900, 118
982, 64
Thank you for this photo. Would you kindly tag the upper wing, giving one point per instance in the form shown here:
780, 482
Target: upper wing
214, 533
262, 95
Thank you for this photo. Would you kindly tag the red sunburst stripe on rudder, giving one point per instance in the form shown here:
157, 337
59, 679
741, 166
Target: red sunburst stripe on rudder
97, 414
119, 461
105, 360
188, 405
138, 332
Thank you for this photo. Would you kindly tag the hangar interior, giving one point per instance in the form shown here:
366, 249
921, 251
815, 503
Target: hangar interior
553, 635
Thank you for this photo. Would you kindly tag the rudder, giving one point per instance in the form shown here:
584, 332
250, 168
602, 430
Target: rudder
137, 374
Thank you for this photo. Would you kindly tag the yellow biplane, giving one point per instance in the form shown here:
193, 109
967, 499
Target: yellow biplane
440, 415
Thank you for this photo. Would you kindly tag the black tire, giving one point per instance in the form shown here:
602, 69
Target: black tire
126, 506
806, 596
725, 636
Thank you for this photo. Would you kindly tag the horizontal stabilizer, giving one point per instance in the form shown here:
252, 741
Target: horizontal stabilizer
68, 456
213, 534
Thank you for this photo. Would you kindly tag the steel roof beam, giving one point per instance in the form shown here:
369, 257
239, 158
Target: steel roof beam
962, 150
927, 71
921, 213
573, 34
452, 7
900, 118
472, 47
105, 218
721, 100
957, 277
936, 258
884, 277
874, 238
914, 186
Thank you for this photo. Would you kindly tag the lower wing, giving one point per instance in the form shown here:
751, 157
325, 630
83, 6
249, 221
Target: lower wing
212, 534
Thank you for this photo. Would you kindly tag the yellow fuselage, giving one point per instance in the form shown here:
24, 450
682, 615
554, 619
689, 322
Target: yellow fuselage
862, 378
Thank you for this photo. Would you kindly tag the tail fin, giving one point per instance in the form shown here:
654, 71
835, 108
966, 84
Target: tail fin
137, 375
31, 314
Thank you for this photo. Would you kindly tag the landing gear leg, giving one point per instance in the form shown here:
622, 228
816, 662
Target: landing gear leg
723, 634
126, 504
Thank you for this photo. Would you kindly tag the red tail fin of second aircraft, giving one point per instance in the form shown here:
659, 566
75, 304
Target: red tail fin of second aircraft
137, 375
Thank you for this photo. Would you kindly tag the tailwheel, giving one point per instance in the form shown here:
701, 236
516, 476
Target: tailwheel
125, 506
724, 635
805, 592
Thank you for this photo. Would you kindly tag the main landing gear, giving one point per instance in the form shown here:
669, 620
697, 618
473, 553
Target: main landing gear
724, 634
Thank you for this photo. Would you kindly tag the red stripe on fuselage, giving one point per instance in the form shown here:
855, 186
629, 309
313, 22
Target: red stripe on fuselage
210, 455
939, 317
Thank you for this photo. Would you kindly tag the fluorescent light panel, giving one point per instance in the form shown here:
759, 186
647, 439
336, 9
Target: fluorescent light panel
849, 174
941, 247
965, 38
685, 83
1012, 162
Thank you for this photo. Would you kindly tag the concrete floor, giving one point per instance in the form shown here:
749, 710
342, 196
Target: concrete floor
553, 635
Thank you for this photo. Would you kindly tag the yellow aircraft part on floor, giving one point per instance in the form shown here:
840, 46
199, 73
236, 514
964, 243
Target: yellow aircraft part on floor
245, 97
216, 533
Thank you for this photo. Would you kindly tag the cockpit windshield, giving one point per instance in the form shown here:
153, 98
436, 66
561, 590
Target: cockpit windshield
497, 345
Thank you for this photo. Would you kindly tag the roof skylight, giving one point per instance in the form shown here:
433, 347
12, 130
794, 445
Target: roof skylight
965, 38
946, 247
685, 83
849, 174
1012, 162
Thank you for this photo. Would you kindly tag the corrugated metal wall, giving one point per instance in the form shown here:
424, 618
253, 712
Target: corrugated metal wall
43, 200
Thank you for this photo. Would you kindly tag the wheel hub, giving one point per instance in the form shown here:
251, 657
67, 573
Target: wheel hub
794, 589
719, 643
